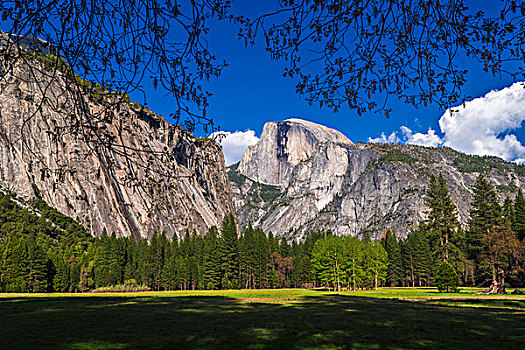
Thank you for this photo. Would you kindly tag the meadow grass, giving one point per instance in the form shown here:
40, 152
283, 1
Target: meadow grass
389, 318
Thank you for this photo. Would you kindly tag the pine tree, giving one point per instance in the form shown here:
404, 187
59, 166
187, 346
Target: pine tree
212, 259
262, 260
417, 258
395, 266
229, 248
354, 267
36, 266
442, 220
14, 270
446, 278
518, 222
376, 263
508, 211
485, 213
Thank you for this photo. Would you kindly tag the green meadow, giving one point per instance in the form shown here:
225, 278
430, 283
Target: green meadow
390, 318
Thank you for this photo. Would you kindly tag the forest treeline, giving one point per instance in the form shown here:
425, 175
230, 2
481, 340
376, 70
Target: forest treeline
42, 250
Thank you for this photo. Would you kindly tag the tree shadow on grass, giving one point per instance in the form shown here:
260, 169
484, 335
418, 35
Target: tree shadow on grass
486, 302
329, 321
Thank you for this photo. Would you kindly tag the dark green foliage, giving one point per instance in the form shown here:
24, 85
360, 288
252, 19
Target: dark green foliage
229, 249
212, 259
478, 164
485, 214
447, 279
395, 155
442, 222
235, 176
395, 266
417, 258
42, 250
518, 219
268, 192
508, 211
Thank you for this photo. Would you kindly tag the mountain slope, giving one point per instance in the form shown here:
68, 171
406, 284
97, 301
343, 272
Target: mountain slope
295, 179
101, 159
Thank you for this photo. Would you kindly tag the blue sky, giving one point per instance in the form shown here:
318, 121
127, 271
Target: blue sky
252, 91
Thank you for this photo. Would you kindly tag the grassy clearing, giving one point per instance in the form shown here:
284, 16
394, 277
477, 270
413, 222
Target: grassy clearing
390, 318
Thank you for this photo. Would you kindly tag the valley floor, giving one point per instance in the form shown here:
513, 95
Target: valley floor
390, 318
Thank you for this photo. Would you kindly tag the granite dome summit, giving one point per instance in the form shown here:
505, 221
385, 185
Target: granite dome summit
302, 176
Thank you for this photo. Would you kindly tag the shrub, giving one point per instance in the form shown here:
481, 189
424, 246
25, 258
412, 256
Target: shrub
447, 279
122, 288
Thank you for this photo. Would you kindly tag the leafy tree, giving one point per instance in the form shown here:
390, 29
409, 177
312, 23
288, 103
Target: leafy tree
502, 252
329, 261
364, 51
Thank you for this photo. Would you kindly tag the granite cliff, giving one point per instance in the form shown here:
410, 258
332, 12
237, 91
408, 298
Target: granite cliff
301, 176
99, 158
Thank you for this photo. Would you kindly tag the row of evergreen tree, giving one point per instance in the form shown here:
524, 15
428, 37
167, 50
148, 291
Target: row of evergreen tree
490, 252
51, 252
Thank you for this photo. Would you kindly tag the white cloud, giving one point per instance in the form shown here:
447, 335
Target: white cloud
392, 138
407, 136
429, 139
477, 126
234, 143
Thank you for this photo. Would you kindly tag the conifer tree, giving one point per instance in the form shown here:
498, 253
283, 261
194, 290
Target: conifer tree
442, 220
375, 263
229, 248
14, 269
262, 260
417, 258
485, 213
354, 267
395, 265
446, 278
212, 259
518, 223
36, 266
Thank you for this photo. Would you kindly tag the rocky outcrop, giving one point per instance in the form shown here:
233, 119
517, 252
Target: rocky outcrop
286, 144
301, 176
96, 157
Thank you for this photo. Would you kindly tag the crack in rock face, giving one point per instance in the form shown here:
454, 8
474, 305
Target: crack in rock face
131, 173
302, 176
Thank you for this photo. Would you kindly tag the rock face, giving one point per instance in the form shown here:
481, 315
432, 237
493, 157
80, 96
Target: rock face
109, 163
286, 144
301, 176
